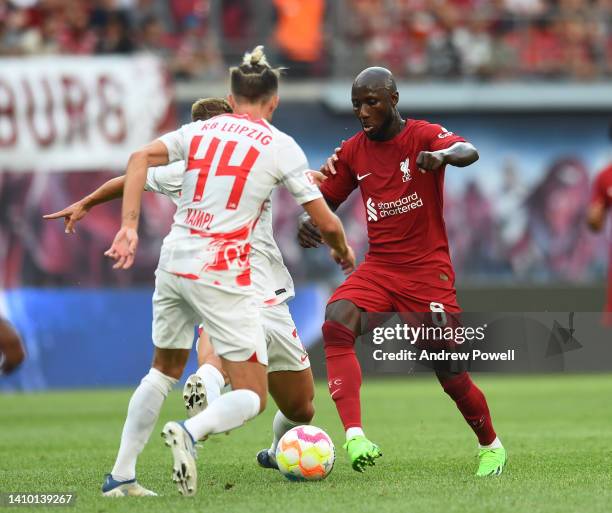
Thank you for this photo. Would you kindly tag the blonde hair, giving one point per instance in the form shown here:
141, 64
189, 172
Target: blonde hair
257, 56
206, 108
254, 80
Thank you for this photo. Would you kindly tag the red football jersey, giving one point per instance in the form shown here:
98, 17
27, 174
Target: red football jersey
602, 194
404, 206
602, 188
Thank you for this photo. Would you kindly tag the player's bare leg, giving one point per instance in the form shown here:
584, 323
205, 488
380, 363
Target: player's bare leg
342, 325
472, 404
12, 352
143, 411
293, 393
206, 384
231, 410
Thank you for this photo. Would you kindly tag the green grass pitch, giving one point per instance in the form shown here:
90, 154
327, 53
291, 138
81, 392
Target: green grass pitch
557, 429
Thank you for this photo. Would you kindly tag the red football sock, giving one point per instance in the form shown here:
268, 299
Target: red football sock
472, 405
343, 372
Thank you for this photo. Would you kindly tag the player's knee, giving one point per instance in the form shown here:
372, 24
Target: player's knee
345, 313
336, 334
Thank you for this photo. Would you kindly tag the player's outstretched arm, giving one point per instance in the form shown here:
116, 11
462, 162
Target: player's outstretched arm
110, 190
460, 154
332, 233
125, 243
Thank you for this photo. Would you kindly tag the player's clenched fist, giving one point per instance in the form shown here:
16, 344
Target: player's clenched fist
308, 235
123, 248
429, 161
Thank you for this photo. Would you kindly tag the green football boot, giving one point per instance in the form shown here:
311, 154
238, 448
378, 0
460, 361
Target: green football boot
362, 452
492, 462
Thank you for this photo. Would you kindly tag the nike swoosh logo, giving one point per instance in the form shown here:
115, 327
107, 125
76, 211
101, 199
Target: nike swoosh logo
361, 177
334, 392
303, 358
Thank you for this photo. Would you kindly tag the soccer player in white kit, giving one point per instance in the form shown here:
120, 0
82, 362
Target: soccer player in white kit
290, 379
232, 164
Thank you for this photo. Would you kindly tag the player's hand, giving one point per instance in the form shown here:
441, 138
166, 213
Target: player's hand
347, 261
329, 168
309, 235
429, 161
123, 248
316, 177
71, 215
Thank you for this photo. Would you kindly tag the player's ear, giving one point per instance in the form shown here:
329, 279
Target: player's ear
275, 102
395, 98
270, 106
232, 101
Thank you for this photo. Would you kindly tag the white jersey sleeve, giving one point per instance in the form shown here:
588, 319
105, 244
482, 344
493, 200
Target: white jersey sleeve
167, 180
176, 143
293, 164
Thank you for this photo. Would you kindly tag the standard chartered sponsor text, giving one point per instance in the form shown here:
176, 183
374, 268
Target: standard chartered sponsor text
399, 206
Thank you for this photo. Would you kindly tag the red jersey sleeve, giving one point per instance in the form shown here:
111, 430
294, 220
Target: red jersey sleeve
338, 187
436, 137
600, 194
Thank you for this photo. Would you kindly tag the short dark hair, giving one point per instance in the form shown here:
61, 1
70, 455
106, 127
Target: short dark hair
206, 108
254, 80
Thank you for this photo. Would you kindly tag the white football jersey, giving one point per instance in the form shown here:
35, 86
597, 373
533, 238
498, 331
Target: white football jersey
271, 278
223, 201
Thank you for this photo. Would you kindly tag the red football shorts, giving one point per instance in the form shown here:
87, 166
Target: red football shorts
377, 288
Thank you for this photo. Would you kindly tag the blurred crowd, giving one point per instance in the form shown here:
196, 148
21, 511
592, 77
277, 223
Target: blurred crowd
176, 30
486, 39
483, 39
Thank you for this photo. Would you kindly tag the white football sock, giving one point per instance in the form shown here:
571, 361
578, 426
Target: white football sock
142, 414
229, 411
354, 431
495, 444
280, 426
213, 381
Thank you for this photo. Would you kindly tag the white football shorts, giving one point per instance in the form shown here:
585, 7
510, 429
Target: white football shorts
285, 349
231, 317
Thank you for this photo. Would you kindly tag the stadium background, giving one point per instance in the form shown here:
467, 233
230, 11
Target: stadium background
84, 83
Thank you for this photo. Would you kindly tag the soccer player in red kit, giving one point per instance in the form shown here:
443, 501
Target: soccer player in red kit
601, 201
398, 166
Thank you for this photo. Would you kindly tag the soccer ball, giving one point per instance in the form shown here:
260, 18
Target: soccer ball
305, 453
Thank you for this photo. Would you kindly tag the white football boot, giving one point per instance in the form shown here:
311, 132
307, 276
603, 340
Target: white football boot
194, 395
182, 445
131, 488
